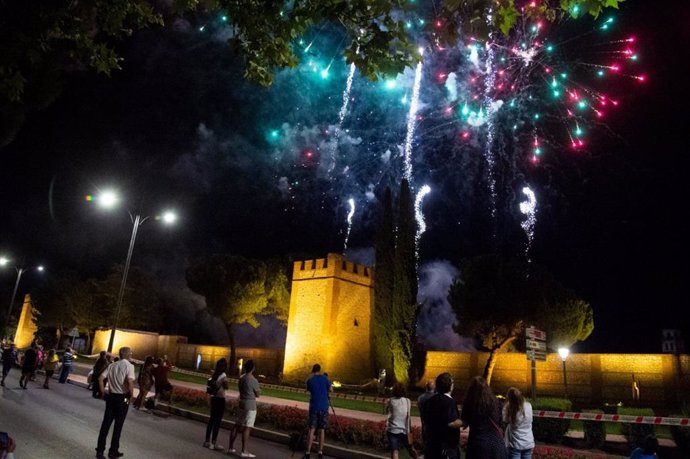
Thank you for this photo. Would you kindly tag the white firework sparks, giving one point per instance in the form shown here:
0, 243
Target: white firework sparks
341, 114
529, 209
411, 120
350, 214
419, 215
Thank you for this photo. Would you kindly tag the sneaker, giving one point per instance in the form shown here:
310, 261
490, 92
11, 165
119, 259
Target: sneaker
232, 451
216, 448
115, 455
206, 444
247, 454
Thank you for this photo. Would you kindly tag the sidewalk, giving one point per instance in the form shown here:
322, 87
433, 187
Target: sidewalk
232, 393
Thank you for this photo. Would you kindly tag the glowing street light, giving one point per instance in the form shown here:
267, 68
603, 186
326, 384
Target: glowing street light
109, 199
564, 352
20, 271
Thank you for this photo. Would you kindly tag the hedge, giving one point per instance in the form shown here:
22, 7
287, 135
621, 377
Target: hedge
550, 430
635, 433
595, 431
292, 419
681, 435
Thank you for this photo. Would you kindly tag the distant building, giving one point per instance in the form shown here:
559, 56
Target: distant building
672, 342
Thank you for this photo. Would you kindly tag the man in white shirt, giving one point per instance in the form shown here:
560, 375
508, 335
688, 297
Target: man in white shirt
120, 377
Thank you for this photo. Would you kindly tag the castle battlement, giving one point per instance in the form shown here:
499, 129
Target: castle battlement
334, 265
329, 322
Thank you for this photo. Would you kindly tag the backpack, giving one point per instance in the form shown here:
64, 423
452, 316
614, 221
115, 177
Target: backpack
211, 386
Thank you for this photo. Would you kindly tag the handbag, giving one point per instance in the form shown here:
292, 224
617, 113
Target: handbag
410, 438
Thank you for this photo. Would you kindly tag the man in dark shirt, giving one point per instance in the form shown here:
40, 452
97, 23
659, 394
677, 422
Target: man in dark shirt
9, 358
28, 366
421, 402
442, 421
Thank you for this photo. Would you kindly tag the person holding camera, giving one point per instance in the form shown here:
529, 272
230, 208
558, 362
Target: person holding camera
120, 377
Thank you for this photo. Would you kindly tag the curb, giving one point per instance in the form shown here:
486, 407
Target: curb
264, 434
270, 435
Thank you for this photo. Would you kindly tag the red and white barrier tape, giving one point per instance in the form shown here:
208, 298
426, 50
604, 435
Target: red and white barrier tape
656, 420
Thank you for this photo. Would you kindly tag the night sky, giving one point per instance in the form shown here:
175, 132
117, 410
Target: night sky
249, 171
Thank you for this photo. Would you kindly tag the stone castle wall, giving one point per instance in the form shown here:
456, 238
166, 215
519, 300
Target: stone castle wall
592, 378
329, 322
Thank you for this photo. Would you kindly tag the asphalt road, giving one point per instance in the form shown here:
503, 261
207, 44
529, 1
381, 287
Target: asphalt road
63, 422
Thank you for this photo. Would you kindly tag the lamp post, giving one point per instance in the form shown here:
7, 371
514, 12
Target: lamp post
109, 199
20, 271
564, 352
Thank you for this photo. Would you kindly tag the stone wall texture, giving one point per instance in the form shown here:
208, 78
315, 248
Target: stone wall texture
329, 322
592, 378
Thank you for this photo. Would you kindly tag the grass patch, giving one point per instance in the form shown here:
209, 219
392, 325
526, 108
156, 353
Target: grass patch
356, 405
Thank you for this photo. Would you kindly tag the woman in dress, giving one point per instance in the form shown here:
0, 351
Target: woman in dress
49, 365
398, 426
481, 412
145, 382
220, 379
517, 415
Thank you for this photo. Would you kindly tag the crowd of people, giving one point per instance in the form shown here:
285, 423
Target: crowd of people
496, 430
35, 358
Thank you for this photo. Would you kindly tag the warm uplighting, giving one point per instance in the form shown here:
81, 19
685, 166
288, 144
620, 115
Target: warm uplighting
564, 352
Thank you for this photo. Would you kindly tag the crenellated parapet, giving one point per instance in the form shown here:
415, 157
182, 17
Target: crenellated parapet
334, 265
329, 322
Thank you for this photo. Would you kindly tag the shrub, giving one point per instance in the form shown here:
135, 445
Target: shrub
681, 435
635, 433
595, 431
551, 452
192, 397
550, 430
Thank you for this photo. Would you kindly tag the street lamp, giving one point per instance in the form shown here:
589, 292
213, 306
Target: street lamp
20, 271
564, 352
109, 199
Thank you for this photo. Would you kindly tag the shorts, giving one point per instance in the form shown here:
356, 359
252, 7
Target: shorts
318, 419
396, 441
246, 417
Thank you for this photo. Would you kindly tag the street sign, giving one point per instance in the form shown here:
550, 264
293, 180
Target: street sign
535, 333
536, 345
535, 355
74, 333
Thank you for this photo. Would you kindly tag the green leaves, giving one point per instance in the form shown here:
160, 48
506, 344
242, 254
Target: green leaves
507, 17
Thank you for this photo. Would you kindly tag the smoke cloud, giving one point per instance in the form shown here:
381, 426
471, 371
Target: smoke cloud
436, 318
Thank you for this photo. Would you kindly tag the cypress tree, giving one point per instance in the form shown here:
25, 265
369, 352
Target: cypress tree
383, 286
405, 284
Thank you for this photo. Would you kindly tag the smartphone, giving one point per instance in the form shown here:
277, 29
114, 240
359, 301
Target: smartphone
4, 440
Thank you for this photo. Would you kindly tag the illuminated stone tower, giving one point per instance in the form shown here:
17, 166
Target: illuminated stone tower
331, 306
26, 328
